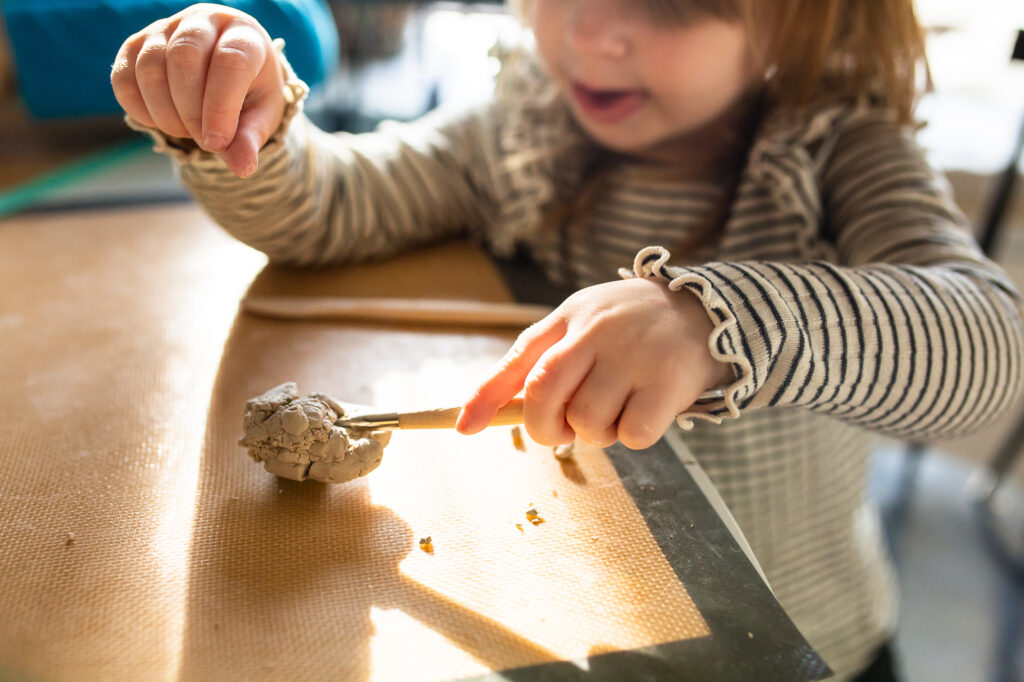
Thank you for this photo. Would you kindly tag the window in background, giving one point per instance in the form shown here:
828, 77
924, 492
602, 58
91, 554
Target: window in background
975, 112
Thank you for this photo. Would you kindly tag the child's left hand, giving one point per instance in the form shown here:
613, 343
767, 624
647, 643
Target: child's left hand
615, 361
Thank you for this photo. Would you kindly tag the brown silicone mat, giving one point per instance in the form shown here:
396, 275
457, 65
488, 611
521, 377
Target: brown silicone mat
138, 541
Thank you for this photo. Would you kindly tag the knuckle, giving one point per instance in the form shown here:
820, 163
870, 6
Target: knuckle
153, 49
543, 420
542, 436
554, 325
541, 384
600, 438
514, 356
151, 68
581, 416
526, 337
238, 53
637, 434
231, 58
210, 9
185, 53
135, 41
204, 9
121, 77
260, 130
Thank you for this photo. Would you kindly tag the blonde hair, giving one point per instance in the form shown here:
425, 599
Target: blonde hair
850, 48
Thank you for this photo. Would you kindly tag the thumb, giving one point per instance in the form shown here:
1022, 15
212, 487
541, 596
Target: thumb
255, 126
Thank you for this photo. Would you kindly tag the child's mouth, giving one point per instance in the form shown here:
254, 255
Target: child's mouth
607, 106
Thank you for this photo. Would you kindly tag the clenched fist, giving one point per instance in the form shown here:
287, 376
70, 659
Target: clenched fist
209, 73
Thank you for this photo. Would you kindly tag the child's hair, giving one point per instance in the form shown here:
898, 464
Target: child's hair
807, 48
849, 48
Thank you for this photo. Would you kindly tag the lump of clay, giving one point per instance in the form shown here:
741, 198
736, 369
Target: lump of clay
296, 437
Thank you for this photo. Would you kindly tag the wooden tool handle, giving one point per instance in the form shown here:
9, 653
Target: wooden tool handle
407, 310
444, 418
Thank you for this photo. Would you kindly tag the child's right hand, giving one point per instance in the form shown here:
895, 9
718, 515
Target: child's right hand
209, 73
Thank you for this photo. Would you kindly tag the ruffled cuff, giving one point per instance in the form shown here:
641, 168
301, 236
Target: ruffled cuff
185, 151
725, 342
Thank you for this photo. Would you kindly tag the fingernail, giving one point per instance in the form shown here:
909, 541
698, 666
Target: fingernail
214, 142
463, 424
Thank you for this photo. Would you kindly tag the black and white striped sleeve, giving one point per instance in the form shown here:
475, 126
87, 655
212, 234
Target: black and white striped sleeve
320, 198
913, 332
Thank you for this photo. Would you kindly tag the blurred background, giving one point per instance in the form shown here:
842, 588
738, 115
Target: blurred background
954, 510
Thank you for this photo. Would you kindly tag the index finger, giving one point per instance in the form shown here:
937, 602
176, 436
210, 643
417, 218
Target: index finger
237, 60
509, 375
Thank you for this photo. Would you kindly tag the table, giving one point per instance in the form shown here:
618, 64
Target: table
138, 541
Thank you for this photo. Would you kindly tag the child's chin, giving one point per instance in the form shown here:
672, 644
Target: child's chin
628, 137
622, 140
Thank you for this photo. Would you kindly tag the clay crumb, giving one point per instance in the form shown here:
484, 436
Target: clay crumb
533, 517
517, 439
519, 527
427, 544
563, 452
69, 538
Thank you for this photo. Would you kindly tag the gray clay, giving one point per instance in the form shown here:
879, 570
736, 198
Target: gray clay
296, 437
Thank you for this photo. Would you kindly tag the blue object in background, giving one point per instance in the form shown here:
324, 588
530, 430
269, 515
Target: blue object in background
63, 49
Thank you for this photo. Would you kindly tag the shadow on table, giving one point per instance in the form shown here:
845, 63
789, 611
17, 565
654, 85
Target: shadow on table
282, 576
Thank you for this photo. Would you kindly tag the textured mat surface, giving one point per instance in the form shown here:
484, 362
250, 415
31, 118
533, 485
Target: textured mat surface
139, 541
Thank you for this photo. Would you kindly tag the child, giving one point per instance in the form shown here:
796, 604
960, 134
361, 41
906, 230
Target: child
820, 275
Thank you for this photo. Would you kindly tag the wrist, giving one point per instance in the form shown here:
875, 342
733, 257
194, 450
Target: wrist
723, 376
718, 374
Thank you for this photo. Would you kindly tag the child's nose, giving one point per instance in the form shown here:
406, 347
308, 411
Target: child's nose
597, 27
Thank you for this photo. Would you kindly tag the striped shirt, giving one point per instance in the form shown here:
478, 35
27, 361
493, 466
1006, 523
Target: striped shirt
846, 290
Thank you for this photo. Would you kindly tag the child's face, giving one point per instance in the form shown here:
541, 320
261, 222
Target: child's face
633, 82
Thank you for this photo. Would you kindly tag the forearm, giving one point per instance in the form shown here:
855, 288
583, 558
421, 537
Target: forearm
281, 209
318, 198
